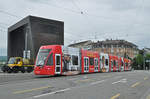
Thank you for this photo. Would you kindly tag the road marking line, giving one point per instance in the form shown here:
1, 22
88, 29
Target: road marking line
148, 97
145, 78
118, 76
116, 82
97, 82
73, 79
120, 81
52, 93
114, 97
134, 85
29, 90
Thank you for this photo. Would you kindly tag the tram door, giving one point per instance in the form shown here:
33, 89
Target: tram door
86, 64
96, 64
57, 63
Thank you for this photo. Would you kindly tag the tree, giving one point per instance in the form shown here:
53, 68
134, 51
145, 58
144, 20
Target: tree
147, 57
139, 61
141, 52
134, 64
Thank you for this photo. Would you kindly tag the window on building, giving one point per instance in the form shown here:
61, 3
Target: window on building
104, 46
50, 60
119, 45
74, 60
117, 50
91, 61
112, 50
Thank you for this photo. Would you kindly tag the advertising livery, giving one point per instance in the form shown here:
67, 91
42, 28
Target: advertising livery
61, 60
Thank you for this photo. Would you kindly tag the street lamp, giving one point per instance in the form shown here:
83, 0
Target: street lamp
144, 59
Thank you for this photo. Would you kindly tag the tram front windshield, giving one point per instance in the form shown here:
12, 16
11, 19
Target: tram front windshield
42, 56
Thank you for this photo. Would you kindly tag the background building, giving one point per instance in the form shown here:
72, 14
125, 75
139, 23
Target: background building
116, 47
83, 44
32, 32
146, 50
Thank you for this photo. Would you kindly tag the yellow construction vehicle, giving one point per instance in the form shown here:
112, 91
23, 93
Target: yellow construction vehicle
16, 64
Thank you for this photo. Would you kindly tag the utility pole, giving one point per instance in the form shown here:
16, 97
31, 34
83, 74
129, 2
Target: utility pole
143, 59
149, 65
26, 42
95, 36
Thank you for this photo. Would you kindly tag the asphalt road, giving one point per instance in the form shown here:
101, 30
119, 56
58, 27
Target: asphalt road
115, 85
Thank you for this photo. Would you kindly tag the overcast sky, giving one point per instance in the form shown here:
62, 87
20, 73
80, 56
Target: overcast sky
84, 19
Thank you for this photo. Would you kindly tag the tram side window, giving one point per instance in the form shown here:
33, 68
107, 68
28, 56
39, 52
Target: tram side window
117, 63
121, 63
57, 60
91, 61
50, 60
75, 60
103, 60
106, 62
85, 62
100, 60
114, 63
96, 62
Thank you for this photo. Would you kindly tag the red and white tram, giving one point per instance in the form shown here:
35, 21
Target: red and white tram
58, 60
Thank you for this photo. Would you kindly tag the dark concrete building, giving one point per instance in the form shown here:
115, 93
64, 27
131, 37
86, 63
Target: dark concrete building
33, 32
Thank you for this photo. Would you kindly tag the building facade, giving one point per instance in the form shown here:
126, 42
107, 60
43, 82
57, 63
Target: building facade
83, 44
146, 50
116, 47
